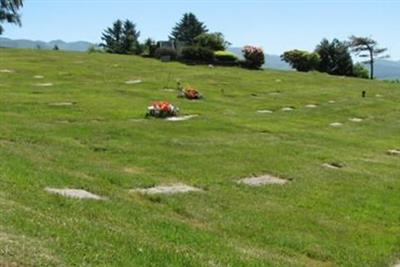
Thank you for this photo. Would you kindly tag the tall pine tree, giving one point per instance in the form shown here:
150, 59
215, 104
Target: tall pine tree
130, 36
121, 38
112, 38
9, 12
188, 29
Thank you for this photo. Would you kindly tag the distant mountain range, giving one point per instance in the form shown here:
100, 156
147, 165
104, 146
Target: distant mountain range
22, 43
384, 69
387, 69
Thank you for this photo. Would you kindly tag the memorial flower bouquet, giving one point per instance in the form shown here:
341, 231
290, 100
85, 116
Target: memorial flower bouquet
162, 109
190, 93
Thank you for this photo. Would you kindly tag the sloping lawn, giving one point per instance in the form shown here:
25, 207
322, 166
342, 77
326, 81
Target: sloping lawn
100, 142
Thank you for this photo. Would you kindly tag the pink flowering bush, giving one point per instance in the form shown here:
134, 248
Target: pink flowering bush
254, 56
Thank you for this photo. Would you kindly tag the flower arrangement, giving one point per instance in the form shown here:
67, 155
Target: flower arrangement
162, 109
190, 93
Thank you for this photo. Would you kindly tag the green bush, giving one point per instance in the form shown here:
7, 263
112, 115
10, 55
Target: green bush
195, 53
225, 56
165, 52
94, 49
149, 48
214, 41
301, 60
360, 71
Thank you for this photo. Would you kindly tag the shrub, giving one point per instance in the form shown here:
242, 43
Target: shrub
301, 60
196, 53
149, 48
165, 52
225, 56
213, 41
254, 57
360, 71
94, 49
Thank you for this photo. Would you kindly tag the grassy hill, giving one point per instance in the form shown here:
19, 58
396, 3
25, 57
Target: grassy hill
99, 141
384, 69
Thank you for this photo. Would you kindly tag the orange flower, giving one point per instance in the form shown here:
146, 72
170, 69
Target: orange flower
191, 93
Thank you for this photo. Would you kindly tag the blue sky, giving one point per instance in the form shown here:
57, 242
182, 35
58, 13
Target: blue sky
277, 26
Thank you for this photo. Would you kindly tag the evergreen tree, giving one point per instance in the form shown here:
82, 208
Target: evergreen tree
129, 39
56, 48
112, 37
150, 47
188, 29
367, 47
121, 38
335, 58
9, 12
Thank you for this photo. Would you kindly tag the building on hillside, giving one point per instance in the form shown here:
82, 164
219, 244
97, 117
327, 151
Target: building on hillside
166, 44
175, 45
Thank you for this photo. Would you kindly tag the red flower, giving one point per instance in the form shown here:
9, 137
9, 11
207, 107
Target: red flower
162, 105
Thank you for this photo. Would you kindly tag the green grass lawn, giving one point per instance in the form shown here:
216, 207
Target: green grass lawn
103, 144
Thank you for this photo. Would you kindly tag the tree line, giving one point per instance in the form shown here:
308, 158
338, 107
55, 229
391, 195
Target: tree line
123, 37
334, 57
189, 41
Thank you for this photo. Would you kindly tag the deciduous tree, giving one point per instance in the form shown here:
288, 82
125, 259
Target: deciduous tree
301, 60
335, 58
214, 41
